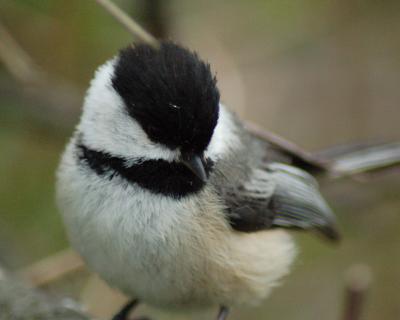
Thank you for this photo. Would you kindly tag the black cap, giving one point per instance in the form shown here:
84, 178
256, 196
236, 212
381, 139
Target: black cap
171, 92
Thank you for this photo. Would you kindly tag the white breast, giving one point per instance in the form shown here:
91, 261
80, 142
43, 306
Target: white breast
164, 251
125, 234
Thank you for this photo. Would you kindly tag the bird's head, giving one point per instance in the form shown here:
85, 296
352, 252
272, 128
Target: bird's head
153, 104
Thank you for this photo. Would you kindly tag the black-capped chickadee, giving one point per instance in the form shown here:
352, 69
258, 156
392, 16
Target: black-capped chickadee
169, 198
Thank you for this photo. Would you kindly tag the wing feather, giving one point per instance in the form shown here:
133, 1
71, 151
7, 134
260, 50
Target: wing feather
278, 195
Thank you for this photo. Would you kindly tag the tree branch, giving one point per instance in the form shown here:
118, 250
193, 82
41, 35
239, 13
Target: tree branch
52, 268
16, 60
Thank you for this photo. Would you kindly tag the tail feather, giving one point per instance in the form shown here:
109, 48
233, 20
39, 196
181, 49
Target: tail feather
336, 161
366, 159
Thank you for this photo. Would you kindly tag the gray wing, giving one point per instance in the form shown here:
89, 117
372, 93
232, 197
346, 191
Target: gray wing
262, 188
278, 195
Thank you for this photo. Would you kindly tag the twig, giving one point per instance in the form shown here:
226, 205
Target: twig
132, 26
16, 60
358, 280
299, 155
52, 268
51, 100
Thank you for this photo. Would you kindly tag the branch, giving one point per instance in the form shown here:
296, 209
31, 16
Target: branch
16, 60
299, 156
57, 101
52, 268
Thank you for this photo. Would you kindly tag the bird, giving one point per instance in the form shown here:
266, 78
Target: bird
168, 196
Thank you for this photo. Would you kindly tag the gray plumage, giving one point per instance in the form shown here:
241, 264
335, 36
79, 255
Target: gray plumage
261, 189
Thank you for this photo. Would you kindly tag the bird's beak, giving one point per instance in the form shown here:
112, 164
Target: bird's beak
195, 164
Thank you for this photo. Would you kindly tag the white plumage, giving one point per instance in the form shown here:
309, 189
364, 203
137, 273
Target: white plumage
169, 252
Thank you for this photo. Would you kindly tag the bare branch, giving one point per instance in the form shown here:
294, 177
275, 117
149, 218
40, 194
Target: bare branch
16, 60
58, 100
52, 268
299, 155
133, 27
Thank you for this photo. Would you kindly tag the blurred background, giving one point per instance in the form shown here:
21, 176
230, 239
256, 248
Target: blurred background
317, 72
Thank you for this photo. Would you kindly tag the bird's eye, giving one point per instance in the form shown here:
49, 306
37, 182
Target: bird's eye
174, 106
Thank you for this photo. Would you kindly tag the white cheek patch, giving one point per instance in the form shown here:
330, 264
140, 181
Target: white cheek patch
225, 138
106, 125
